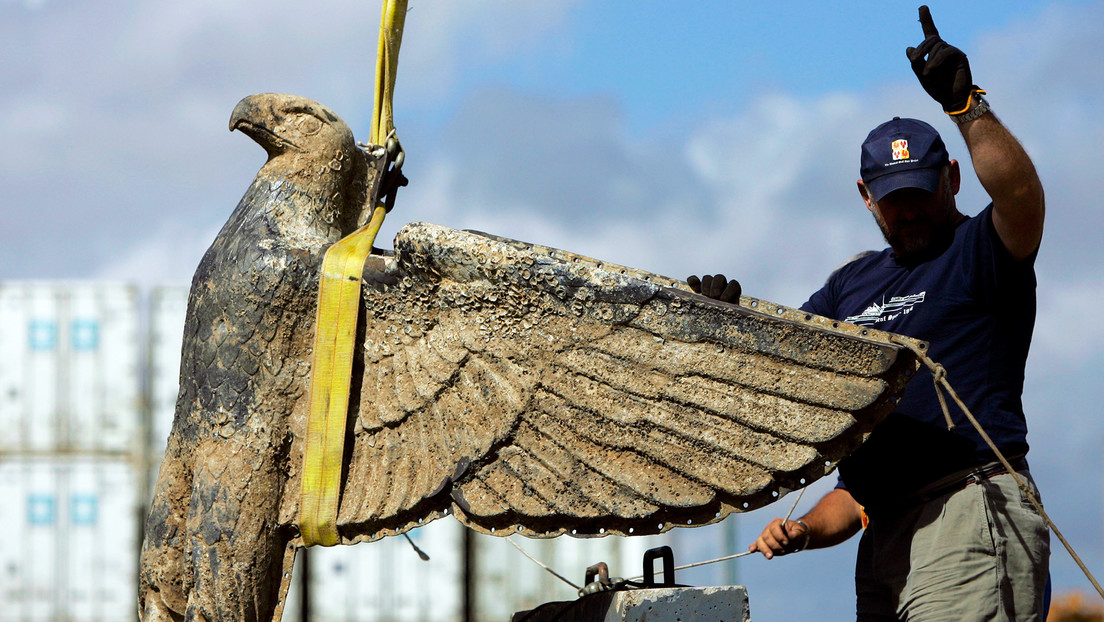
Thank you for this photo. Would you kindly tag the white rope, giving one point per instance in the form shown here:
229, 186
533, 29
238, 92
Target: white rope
940, 376
787, 519
539, 563
694, 565
684, 567
705, 563
793, 507
736, 555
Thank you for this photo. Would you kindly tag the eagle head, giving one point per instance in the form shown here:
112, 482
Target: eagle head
308, 144
289, 123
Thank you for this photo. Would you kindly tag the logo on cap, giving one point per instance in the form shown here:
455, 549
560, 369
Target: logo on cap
900, 149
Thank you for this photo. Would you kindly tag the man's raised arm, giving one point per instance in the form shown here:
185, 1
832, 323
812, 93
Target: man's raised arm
1002, 166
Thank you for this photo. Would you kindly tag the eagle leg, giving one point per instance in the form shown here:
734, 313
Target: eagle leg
234, 546
161, 594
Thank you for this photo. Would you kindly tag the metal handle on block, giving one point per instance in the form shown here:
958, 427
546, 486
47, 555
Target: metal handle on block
668, 557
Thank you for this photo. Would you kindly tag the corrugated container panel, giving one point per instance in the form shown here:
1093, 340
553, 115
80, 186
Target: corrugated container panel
293, 608
168, 308
70, 550
386, 581
69, 368
28, 367
506, 581
104, 402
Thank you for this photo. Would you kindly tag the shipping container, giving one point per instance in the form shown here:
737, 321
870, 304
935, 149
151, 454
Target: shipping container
168, 308
69, 368
70, 546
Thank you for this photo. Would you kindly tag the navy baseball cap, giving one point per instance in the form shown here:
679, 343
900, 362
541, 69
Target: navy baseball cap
902, 153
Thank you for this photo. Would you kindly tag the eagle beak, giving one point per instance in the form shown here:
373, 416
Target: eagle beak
245, 113
259, 117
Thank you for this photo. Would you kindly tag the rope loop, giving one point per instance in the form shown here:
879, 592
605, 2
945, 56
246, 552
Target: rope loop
938, 373
939, 376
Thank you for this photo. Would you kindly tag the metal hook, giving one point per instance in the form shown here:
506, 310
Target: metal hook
393, 178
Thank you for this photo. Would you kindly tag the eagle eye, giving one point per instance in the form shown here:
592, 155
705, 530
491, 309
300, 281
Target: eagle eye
309, 125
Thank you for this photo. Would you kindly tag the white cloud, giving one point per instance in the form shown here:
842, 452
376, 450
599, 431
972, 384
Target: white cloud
165, 257
768, 194
1068, 327
34, 118
765, 195
114, 117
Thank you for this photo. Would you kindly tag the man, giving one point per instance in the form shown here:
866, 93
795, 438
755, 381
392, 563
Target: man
950, 536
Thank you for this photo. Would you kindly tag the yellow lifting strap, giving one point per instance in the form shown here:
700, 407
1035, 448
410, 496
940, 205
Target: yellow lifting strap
335, 322
387, 64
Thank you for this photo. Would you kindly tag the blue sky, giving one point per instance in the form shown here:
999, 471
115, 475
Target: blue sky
663, 61
674, 137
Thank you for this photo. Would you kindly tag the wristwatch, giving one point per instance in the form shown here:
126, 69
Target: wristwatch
979, 108
805, 543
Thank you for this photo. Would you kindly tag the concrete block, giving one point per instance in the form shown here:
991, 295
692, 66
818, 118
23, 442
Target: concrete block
668, 604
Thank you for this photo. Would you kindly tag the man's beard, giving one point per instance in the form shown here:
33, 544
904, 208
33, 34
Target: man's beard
917, 241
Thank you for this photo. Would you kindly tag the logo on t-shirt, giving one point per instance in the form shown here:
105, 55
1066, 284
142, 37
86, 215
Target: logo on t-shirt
900, 149
878, 313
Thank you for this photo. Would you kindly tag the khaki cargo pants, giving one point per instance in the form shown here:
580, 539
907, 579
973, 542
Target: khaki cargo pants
979, 553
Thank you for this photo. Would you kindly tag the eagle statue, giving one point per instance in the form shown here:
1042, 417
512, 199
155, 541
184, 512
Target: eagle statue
519, 388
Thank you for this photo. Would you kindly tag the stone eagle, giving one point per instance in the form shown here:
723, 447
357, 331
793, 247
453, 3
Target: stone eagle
520, 388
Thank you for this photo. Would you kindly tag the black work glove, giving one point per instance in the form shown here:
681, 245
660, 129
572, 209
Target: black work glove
716, 286
942, 69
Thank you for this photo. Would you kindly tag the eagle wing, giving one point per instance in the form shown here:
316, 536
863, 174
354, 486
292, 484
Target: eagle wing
526, 389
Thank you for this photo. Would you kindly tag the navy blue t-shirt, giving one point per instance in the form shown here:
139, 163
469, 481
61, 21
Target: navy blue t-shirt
975, 305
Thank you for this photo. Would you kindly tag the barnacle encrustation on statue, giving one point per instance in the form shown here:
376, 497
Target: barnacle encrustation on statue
520, 388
